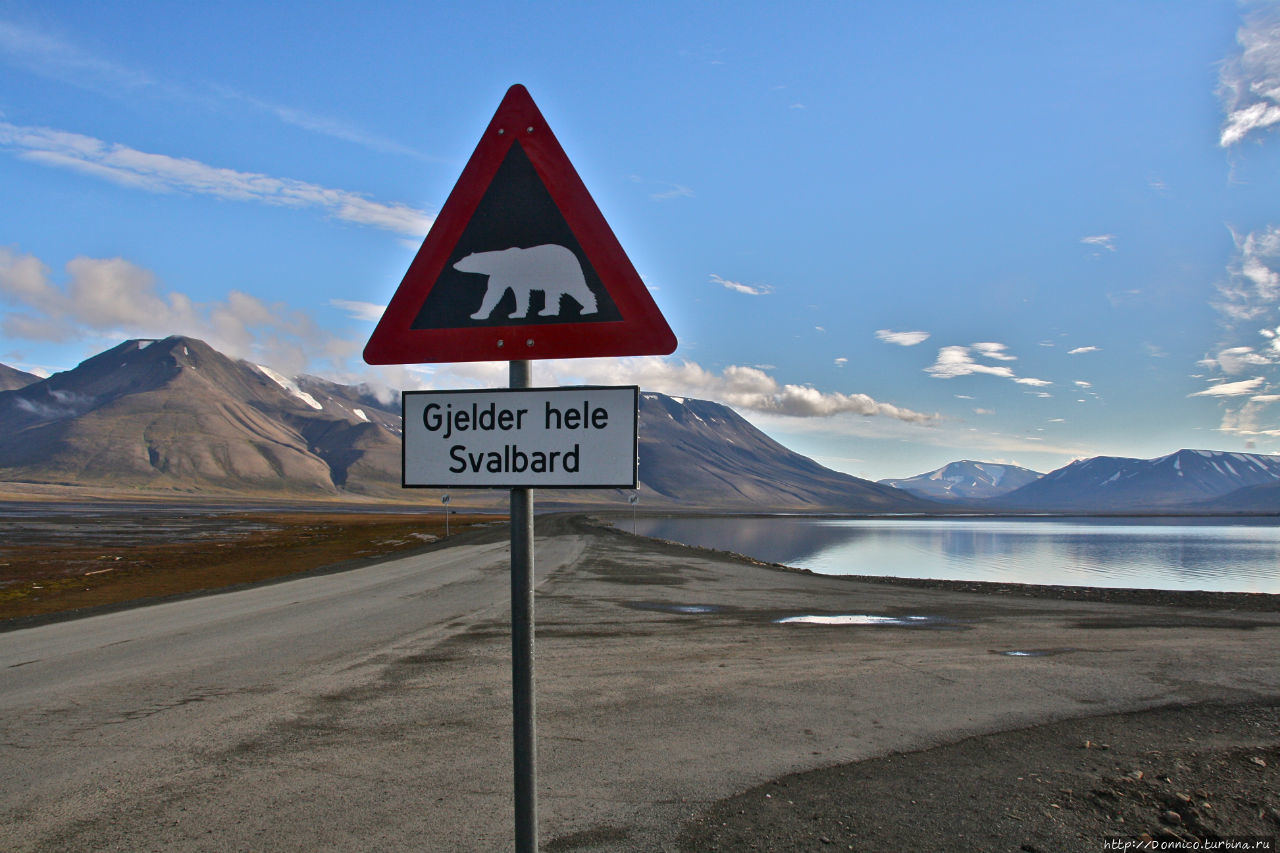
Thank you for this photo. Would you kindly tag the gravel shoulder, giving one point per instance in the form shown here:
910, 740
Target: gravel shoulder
1205, 772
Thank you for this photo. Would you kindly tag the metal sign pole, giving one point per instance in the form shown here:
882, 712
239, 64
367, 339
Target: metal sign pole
522, 703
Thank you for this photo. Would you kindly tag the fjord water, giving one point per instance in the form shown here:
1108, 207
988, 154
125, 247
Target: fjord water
1233, 555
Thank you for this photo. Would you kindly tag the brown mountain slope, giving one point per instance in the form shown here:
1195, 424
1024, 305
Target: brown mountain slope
175, 415
700, 453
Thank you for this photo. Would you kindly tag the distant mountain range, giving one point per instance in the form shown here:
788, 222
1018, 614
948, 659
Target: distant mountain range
11, 378
177, 417
1184, 481
966, 481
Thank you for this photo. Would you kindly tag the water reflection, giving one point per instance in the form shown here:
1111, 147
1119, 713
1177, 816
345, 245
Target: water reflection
1211, 554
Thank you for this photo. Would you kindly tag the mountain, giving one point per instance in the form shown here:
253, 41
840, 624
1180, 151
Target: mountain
177, 416
965, 481
1264, 498
12, 378
699, 453
1180, 480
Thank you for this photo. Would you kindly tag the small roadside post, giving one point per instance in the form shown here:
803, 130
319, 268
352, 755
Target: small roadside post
445, 500
632, 499
520, 265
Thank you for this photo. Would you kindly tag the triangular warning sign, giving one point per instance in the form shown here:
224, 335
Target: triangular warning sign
520, 264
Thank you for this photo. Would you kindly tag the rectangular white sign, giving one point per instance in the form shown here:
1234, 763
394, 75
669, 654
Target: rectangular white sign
570, 438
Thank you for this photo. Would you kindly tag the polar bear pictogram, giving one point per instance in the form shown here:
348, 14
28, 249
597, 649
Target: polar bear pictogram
551, 268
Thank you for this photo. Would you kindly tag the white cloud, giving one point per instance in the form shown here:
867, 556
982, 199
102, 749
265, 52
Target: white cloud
1231, 389
745, 388
1100, 241
1236, 360
1249, 304
994, 351
902, 339
1249, 81
841, 361
1081, 350
367, 311
162, 173
956, 361
113, 298
739, 287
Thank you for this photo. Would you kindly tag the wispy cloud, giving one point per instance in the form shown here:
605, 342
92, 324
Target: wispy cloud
1100, 241
49, 56
1231, 389
160, 173
745, 388
994, 351
902, 339
1249, 80
368, 311
956, 361
739, 287
1082, 350
673, 191
40, 53
1249, 304
1236, 360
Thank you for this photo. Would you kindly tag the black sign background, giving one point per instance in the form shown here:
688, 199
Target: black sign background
516, 211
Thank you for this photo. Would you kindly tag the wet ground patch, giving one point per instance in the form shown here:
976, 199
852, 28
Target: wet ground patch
870, 619
668, 607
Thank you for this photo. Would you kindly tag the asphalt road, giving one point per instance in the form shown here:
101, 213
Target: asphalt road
370, 709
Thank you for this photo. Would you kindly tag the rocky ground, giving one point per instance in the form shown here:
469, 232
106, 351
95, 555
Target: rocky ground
1206, 772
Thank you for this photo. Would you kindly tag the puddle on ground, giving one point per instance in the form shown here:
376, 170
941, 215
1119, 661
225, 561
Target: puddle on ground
665, 607
866, 619
1033, 653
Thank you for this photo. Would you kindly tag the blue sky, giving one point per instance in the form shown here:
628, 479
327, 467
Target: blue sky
891, 235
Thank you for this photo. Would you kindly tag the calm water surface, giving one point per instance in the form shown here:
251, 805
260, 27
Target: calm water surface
1183, 553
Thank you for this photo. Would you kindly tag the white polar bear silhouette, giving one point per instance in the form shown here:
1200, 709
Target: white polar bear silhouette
551, 268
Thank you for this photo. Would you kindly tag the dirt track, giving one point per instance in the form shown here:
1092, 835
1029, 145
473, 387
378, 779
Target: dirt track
665, 683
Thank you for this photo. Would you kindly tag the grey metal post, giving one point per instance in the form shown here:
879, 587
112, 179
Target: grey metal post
522, 696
